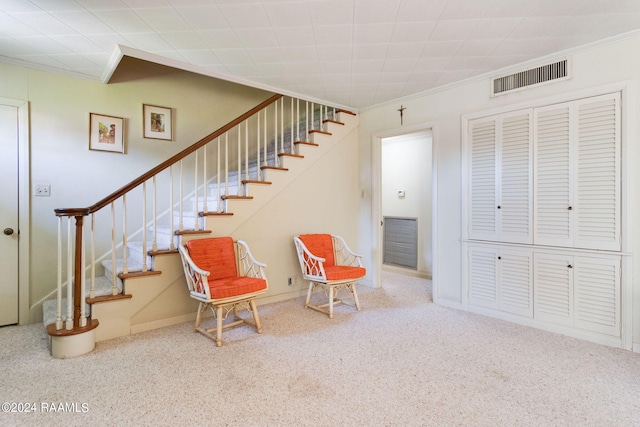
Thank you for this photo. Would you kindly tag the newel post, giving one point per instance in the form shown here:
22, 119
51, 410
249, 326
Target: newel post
78, 272
78, 259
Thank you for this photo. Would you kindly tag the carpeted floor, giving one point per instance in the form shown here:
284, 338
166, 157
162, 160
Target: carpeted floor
400, 361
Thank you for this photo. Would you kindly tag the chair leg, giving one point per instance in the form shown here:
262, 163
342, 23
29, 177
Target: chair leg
306, 304
219, 326
352, 288
331, 290
256, 319
201, 307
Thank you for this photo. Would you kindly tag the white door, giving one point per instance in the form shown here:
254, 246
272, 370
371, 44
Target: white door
515, 276
515, 184
483, 276
553, 181
553, 289
597, 184
597, 294
8, 215
483, 189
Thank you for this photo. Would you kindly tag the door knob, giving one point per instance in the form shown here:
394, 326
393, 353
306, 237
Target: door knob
8, 231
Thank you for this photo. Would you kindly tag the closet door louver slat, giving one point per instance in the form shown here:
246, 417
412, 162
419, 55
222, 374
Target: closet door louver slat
553, 180
516, 287
553, 289
597, 295
482, 277
597, 223
482, 222
515, 180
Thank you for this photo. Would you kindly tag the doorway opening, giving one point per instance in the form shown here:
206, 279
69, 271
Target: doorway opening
403, 205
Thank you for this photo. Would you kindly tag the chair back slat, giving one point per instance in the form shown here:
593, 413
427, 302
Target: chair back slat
320, 245
216, 255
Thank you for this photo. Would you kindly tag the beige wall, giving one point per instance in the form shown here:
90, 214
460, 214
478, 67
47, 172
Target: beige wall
593, 68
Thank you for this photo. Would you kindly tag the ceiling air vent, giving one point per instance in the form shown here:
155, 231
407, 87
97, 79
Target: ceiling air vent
535, 76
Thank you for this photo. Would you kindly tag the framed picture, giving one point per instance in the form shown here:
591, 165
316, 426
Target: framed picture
157, 122
106, 133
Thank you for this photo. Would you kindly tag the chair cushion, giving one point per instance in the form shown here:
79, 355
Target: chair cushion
320, 245
341, 272
215, 255
234, 286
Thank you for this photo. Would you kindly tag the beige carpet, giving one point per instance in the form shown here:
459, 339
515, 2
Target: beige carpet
400, 361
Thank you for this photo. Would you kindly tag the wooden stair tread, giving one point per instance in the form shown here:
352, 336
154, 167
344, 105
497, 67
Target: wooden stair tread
339, 110
313, 144
139, 274
53, 332
255, 181
322, 132
215, 213
103, 298
333, 121
181, 232
297, 156
276, 168
162, 252
234, 197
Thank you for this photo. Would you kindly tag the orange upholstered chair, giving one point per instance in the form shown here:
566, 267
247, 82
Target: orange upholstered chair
327, 263
222, 274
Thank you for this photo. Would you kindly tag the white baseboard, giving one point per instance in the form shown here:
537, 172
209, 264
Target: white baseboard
407, 271
161, 323
449, 304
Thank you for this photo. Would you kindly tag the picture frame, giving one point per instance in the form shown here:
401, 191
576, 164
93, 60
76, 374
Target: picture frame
158, 122
106, 133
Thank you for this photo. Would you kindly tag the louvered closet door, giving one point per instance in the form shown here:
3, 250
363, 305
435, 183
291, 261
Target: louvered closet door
553, 179
597, 294
553, 288
482, 180
515, 280
483, 279
597, 187
515, 186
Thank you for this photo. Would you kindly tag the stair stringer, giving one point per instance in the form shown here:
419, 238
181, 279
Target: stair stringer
163, 300
157, 301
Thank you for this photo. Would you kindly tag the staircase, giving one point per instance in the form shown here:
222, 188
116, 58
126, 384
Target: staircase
215, 185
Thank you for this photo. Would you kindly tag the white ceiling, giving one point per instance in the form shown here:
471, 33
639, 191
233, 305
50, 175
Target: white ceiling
353, 53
